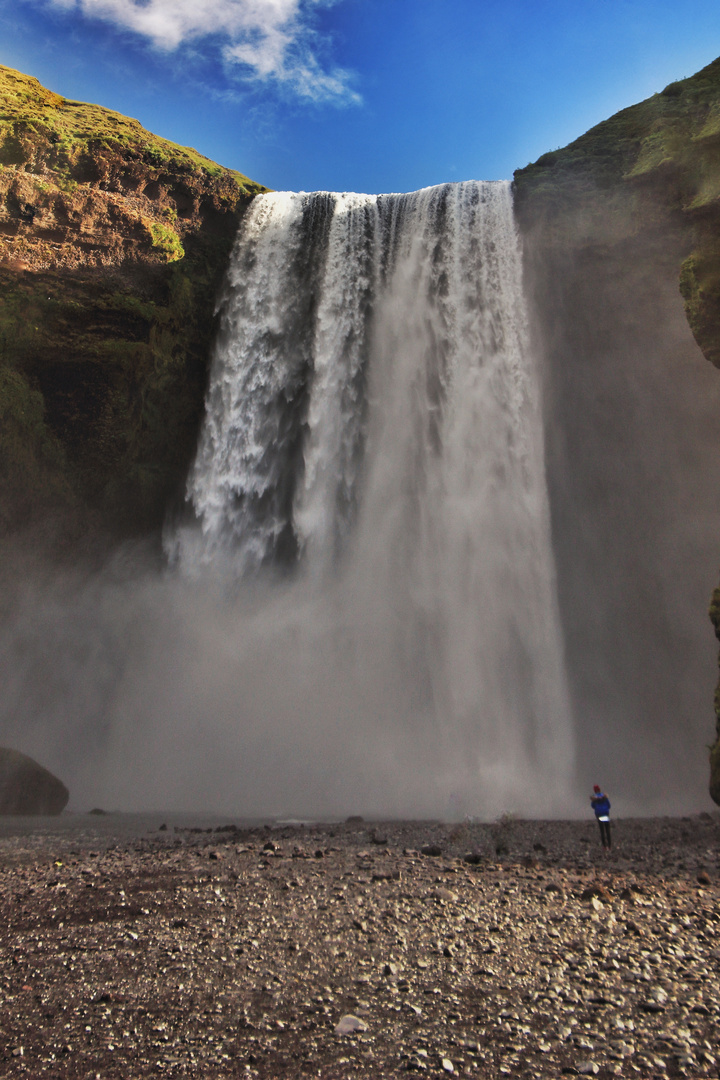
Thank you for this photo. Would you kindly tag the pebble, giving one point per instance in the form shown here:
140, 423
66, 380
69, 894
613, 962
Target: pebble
350, 1025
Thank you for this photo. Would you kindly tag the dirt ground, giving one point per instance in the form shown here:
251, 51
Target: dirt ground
515, 948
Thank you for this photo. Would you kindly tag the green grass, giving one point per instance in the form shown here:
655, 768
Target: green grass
166, 240
29, 113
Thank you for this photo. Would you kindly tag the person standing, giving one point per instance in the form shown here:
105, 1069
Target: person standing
601, 805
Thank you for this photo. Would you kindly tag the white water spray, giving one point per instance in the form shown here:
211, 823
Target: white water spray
373, 427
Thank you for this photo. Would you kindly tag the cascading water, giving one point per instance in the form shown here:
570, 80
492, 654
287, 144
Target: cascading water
373, 429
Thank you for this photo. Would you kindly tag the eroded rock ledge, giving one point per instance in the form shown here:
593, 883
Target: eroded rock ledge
83, 186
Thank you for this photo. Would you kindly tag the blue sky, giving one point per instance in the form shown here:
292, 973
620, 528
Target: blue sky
364, 95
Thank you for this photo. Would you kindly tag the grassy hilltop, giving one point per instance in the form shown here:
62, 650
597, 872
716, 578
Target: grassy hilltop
112, 244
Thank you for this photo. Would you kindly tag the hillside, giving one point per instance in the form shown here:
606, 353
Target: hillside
616, 224
653, 164
112, 245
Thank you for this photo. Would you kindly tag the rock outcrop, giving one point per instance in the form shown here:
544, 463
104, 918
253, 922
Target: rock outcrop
28, 788
112, 246
622, 233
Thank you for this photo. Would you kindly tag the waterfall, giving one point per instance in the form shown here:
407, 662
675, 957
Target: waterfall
371, 473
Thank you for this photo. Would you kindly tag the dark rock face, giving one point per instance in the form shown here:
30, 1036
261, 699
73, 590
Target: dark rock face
28, 788
622, 233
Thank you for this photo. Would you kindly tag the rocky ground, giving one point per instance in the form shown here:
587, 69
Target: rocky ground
510, 949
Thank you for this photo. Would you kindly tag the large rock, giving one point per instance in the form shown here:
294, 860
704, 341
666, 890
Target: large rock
28, 788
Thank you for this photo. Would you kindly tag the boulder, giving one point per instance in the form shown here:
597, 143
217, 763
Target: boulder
28, 788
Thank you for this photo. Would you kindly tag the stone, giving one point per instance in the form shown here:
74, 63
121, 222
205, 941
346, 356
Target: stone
350, 1025
446, 895
598, 891
28, 788
433, 850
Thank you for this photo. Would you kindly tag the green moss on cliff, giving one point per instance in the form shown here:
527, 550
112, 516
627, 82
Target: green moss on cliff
31, 456
678, 129
102, 378
700, 289
165, 239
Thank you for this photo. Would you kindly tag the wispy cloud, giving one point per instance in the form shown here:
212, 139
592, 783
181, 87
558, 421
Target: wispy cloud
267, 40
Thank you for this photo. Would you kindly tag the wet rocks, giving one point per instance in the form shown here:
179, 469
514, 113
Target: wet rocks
28, 788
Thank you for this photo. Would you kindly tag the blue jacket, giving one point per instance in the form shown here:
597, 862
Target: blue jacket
601, 804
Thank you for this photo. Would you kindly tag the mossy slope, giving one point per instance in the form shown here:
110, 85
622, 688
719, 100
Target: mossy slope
652, 163
112, 245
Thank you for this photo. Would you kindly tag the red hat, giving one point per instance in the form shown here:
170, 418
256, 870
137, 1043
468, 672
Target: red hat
596, 787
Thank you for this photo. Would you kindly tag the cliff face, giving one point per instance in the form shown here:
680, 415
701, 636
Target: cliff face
112, 244
622, 233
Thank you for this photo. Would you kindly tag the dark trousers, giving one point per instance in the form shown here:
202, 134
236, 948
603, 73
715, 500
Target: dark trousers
605, 833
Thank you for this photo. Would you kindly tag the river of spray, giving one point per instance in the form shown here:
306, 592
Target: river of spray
371, 473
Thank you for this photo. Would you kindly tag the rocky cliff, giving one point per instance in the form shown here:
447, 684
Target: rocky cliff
619, 226
112, 244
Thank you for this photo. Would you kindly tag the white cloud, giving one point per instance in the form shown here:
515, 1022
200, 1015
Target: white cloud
270, 39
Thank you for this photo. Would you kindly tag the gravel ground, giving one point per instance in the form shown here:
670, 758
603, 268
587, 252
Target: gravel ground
510, 949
